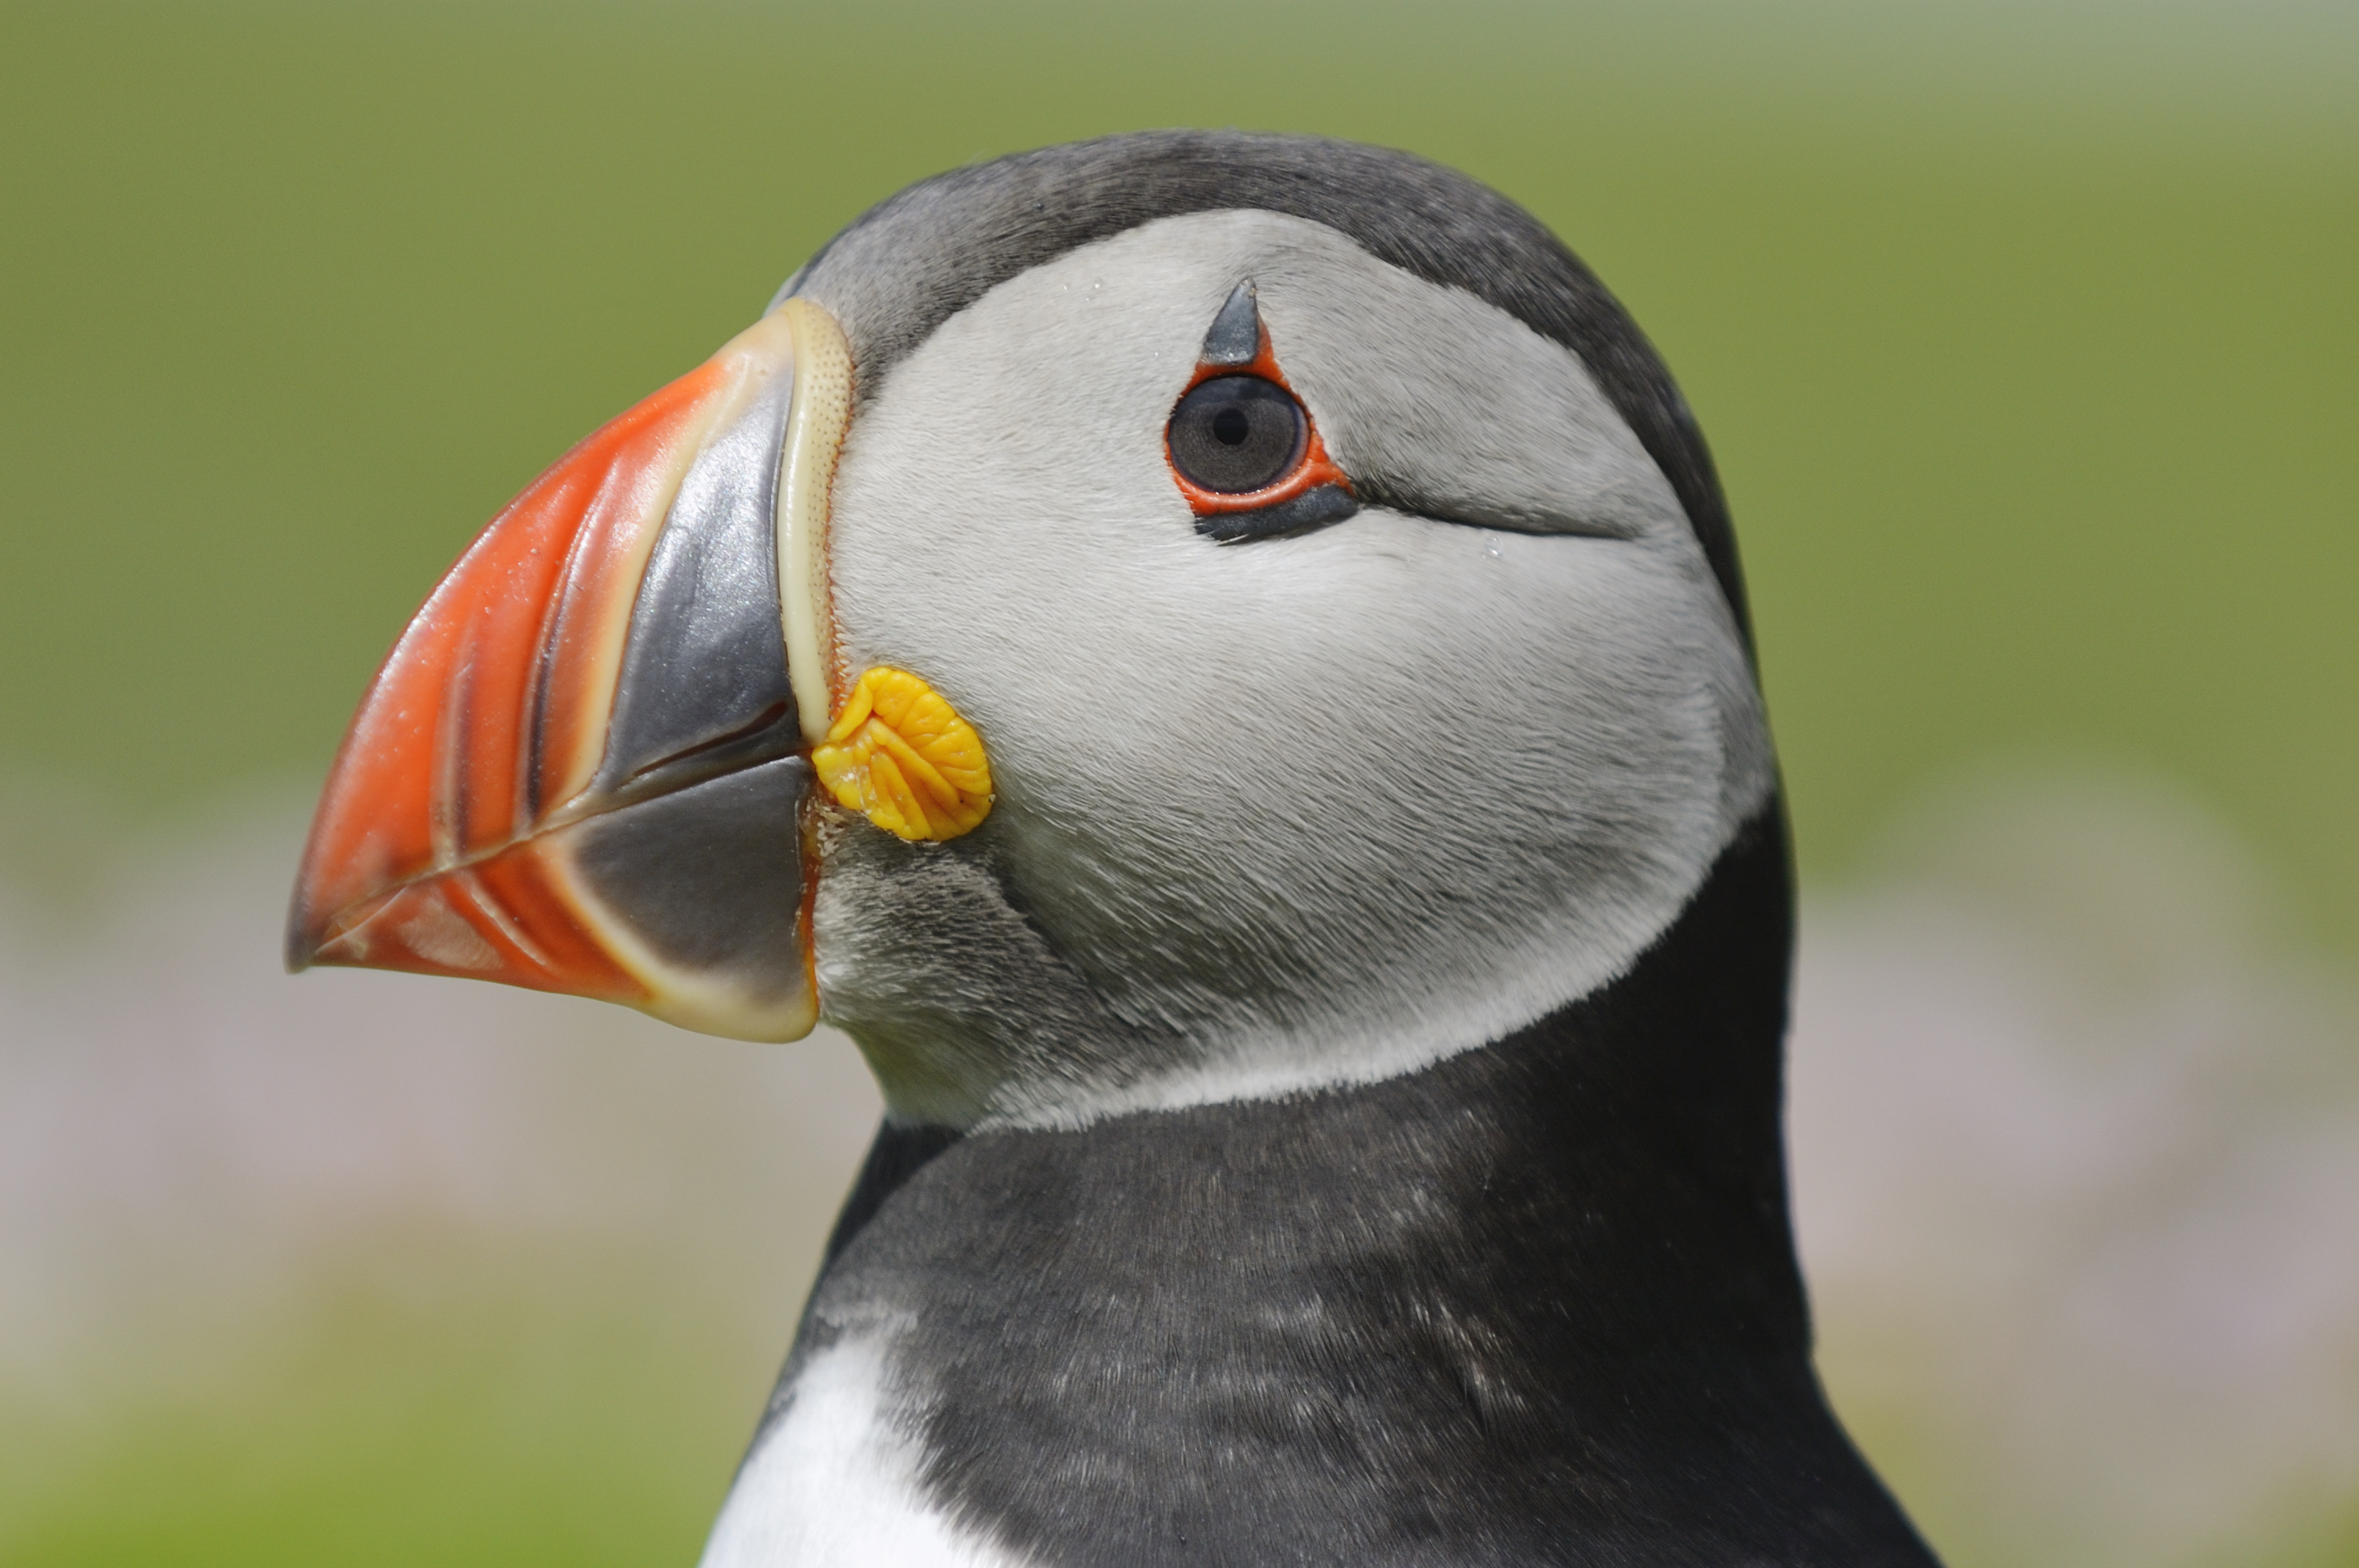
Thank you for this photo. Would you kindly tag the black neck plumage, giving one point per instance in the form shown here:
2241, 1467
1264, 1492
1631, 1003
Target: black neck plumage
1536, 1304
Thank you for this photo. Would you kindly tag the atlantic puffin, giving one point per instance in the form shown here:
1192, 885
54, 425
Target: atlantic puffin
1220, 661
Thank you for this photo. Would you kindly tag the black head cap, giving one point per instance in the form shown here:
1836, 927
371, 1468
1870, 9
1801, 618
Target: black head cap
920, 256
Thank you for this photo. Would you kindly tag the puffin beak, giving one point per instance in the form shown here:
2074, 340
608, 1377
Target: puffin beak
584, 766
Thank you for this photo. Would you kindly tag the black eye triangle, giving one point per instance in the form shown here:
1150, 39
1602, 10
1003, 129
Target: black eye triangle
1235, 337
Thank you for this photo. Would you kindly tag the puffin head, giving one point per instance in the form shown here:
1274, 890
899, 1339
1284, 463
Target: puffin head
1167, 620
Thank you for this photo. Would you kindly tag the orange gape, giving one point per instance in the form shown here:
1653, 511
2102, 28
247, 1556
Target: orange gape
901, 756
489, 717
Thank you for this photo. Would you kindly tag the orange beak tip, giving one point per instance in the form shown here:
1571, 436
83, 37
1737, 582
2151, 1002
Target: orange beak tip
576, 772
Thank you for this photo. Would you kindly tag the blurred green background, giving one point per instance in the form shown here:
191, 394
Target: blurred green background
2028, 340
2029, 349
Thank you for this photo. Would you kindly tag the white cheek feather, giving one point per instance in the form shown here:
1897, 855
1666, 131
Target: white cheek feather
833, 1484
1307, 811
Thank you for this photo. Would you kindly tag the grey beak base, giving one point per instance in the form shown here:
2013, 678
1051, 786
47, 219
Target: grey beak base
710, 878
693, 840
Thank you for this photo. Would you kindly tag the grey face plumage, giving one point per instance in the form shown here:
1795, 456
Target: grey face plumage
1316, 806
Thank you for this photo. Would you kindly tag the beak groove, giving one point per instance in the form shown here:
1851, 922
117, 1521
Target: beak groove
581, 769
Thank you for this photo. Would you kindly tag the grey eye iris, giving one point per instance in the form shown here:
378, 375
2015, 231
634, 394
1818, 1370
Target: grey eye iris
1236, 433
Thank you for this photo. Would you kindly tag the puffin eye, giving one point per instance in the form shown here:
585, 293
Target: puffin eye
1236, 433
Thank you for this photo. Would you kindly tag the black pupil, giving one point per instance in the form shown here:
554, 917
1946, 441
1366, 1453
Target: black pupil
1236, 433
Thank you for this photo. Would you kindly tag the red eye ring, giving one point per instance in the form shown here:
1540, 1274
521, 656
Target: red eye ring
1311, 468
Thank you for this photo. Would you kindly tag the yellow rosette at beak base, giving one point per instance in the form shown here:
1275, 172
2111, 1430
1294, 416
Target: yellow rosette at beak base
900, 755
